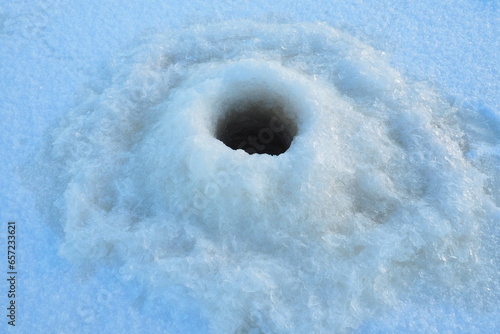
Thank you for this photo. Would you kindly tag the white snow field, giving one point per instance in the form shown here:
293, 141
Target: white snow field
364, 196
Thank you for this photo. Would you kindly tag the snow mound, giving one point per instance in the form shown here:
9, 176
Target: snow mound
283, 174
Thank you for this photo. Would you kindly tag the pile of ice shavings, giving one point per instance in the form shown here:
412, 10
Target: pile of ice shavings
374, 199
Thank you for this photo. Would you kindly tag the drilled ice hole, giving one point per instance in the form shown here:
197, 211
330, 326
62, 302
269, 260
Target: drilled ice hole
257, 126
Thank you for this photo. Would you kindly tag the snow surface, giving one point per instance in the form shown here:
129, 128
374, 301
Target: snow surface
381, 217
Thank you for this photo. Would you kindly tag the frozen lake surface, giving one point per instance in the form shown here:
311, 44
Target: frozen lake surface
375, 210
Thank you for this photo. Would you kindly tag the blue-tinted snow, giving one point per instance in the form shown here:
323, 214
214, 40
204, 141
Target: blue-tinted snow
55, 56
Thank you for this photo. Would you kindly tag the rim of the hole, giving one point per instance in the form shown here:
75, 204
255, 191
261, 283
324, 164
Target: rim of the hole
257, 126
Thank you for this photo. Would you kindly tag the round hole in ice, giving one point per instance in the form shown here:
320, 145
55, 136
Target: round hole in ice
257, 126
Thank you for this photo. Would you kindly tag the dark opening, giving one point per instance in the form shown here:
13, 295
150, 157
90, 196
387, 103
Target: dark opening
257, 127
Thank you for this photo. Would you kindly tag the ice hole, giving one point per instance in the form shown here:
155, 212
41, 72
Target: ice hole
258, 126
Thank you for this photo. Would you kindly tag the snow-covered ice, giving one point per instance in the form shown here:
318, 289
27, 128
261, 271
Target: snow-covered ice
381, 215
